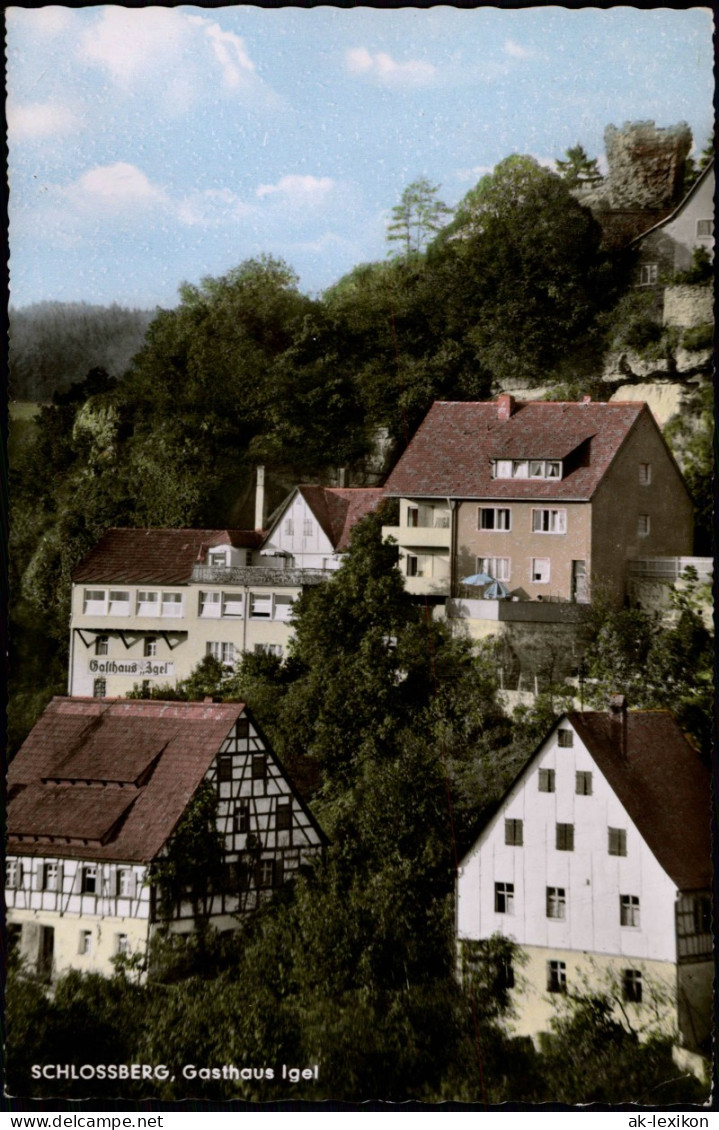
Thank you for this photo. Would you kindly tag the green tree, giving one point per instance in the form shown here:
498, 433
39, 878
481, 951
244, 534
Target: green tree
417, 218
578, 169
523, 275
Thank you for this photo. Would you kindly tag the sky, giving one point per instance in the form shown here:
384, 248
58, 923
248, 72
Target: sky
151, 146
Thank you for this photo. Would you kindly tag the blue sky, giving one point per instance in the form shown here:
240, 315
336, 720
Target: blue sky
151, 146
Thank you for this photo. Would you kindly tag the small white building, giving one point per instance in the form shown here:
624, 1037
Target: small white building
95, 795
597, 863
312, 527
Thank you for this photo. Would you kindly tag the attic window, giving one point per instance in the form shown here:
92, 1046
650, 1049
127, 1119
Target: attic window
526, 468
649, 274
565, 739
217, 558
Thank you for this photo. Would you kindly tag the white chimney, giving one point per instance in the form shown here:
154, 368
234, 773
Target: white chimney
260, 499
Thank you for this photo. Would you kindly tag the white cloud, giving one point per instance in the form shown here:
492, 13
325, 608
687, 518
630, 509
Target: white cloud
115, 187
229, 50
47, 21
516, 51
156, 44
298, 190
474, 173
36, 120
385, 69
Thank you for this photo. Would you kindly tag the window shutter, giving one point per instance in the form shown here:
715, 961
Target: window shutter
60, 876
39, 876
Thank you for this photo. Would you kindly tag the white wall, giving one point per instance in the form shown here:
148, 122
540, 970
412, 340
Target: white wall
592, 879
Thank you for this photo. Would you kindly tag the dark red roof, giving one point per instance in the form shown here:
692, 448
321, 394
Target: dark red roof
339, 509
116, 772
155, 556
662, 783
450, 455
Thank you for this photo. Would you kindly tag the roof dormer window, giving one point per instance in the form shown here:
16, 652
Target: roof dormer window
217, 558
526, 468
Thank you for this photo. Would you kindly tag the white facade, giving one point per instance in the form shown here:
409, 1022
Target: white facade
563, 870
297, 538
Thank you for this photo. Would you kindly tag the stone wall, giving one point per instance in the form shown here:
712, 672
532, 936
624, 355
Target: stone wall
687, 306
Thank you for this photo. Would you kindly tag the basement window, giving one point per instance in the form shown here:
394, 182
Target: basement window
632, 986
556, 977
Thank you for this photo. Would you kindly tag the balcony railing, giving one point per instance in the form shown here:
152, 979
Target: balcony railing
670, 569
250, 575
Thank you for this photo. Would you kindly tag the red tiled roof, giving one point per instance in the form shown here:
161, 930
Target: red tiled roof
167, 747
155, 556
339, 509
663, 784
451, 452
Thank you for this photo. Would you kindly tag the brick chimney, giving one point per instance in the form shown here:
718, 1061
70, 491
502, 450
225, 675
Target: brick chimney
618, 716
505, 406
260, 499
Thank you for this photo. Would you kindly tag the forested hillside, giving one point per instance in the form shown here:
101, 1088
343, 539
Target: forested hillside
54, 344
246, 370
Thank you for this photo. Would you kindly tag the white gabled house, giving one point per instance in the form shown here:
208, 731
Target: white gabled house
311, 529
597, 863
95, 795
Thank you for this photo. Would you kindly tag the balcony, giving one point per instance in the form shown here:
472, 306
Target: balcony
419, 537
528, 611
250, 575
669, 570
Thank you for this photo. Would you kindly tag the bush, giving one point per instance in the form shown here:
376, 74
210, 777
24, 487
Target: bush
699, 337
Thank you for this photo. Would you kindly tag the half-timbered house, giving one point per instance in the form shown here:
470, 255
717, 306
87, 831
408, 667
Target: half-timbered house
96, 794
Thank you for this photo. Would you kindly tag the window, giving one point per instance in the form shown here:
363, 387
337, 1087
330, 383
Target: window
308, 528
210, 605
413, 516
413, 569
546, 780
556, 977
617, 841
496, 567
705, 229
172, 604
13, 874
643, 525
261, 606
94, 602
150, 648
505, 975
269, 649
289, 527
233, 604
119, 602
514, 832
645, 474
224, 768
148, 603
565, 738
85, 942
222, 651
702, 914
102, 645
217, 558
283, 815
504, 898
242, 819
545, 469
540, 570
629, 910
549, 521
122, 943
632, 986
565, 837
556, 902
88, 879
649, 274
494, 518
99, 688
583, 783
502, 468
520, 468
283, 607
51, 876
125, 883
259, 767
